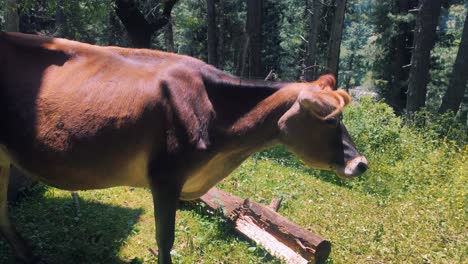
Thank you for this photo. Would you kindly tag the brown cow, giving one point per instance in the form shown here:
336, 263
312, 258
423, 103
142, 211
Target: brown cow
82, 117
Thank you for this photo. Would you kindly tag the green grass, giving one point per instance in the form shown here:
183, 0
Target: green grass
409, 208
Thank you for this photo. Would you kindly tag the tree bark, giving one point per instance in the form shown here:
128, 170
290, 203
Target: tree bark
397, 96
140, 31
313, 13
242, 56
61, 20
11, 16
424, 40
347, 79
459, 79
222, 26
169, 37
254, 32
335, 36
114, 29
212, 38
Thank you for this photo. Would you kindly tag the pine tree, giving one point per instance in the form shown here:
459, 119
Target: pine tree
459, 79
424, 40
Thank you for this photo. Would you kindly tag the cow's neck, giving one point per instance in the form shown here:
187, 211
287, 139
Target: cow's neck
248, 111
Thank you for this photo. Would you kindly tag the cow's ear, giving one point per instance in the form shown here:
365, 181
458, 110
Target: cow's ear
324, 104
326, 82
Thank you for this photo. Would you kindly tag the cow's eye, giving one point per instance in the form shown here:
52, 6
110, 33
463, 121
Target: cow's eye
331, 121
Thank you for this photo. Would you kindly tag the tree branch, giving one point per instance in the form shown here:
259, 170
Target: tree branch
165, 16
139, 29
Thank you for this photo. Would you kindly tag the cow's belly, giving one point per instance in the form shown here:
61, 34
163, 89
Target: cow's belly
131, 172
100, 174
216, 169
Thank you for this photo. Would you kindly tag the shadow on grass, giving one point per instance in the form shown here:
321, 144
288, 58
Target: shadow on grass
58, 234
283, 157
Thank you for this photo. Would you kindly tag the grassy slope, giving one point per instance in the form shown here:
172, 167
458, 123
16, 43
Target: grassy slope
409, 208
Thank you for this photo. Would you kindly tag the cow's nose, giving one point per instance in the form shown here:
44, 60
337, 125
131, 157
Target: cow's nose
356, 166
362, 167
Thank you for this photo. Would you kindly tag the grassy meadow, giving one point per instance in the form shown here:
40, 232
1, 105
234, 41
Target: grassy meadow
410, 207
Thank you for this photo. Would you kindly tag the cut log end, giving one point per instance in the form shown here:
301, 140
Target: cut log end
323, 251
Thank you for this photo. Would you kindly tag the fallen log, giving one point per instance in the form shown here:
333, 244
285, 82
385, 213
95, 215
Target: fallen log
281, 237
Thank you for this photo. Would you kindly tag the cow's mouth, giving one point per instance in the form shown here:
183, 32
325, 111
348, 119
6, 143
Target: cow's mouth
354, 167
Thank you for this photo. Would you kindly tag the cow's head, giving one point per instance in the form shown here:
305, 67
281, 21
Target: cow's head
312, 129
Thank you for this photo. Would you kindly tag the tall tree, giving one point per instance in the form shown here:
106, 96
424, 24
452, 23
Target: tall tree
115, 31
336, 36
169, 37
313, 11
61, 20
402, 56
394, 25
222, 27
459, 79
138, 28
211, 29
254, 32
11, 16
424, 40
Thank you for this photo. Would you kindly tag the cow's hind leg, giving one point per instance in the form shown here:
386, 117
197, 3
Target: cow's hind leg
22, 250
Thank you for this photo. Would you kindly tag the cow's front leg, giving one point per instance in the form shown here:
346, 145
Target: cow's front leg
165, 199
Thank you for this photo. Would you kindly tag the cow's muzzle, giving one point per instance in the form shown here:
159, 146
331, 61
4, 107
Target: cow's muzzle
354, 167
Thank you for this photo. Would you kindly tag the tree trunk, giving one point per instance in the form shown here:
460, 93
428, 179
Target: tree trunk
113, 29
139, 30
169, 37
424, 40
11, 16
212, 39
347, 79
313, 13
61, 20
335, 36
254, 32
397, 96
242, 56
222, 26
458, 81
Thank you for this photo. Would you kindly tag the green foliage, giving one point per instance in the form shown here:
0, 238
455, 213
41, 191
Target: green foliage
292, 35
355, 47
272, 52
190, 29
434, 126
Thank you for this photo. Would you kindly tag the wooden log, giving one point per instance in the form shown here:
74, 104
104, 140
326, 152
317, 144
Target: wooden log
281, 237
275, 204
